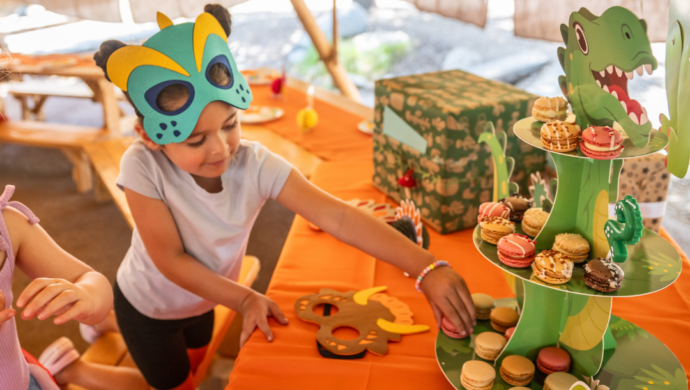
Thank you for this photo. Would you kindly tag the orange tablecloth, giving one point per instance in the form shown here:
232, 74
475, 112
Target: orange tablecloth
312, 260
335, 138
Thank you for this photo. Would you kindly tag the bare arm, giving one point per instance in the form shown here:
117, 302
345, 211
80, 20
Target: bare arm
62, 285
445, 289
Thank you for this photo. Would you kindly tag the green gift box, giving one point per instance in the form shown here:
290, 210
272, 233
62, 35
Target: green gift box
431, 123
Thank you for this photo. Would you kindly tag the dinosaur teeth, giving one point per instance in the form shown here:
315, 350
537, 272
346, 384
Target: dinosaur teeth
615, 94
633, 116
625, 106
643, 119
599, 83
609, 68
648, 68
605, 88
618, 72
639, 70
603, 73
630, 75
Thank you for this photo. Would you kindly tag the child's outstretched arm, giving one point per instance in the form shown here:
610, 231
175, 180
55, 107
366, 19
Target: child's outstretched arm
159, 234
445, 290
62, 285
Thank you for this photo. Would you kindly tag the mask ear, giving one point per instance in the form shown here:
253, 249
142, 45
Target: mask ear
644, 24
222, 15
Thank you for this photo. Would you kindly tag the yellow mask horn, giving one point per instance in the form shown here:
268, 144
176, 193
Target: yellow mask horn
163, 21
362, 297
124, 60
400, 329
205, 25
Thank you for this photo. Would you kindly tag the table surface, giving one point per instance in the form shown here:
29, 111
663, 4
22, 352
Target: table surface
312, 260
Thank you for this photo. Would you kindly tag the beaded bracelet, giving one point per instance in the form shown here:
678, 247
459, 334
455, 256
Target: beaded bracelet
418, 282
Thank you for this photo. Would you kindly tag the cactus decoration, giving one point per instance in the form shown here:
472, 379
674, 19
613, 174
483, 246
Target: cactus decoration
626, 229
503, 166
538, 190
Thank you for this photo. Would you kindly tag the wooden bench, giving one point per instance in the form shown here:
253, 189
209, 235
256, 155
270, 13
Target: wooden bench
110, 349
71, 140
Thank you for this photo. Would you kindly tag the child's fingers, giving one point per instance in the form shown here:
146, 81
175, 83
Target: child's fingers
6, 315
278, 314
461, 310
453, 316
32, 289
262, 323
63, 299
41, 299
466, 298
77, 309
438, 314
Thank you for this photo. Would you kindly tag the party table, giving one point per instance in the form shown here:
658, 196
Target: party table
312, 260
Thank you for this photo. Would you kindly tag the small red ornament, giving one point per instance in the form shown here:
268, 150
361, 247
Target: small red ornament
277, 86
406, 180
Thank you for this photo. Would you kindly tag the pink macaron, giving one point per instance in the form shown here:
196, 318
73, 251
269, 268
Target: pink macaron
450, 331
493, 209
601, 142
516, 250
509, 333
553, 359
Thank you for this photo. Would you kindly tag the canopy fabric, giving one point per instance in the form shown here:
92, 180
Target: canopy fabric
535, 18
470, 11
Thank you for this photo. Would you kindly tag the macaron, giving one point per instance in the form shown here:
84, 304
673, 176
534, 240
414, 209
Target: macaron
517, 370
517, 204
488, 345
503, 318
553, 267
559, 381
516, 250
509, 333
533, 221
495, 228
483, 304
601, 142
603, 275
450, 330
553, 359
493, 209
547, 109
560, 136
572, 245
520, 388
477, 375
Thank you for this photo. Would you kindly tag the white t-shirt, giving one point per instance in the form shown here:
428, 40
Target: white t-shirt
214, 228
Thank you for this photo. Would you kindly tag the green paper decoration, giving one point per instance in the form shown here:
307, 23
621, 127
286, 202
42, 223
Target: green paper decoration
597, 49
503, 166
626, 229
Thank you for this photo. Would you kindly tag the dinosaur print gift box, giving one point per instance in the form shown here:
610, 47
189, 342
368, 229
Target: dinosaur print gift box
430, 123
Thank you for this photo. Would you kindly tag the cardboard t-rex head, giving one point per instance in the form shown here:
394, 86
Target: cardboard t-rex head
180, 54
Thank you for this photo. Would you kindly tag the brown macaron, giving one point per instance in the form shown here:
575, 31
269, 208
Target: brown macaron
503, 318
603, 275
517, 370
517, 204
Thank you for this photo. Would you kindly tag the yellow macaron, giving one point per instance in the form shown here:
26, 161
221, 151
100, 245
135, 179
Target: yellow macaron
553, 267
495, 228
534, 221
572, 245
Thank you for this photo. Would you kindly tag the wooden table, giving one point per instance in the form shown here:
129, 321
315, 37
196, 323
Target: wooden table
312, 260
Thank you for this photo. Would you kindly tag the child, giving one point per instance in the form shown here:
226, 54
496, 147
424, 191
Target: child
195, 189
63, 287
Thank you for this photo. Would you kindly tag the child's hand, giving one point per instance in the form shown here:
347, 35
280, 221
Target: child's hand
5, 315
57, 297
448, 295
255, 308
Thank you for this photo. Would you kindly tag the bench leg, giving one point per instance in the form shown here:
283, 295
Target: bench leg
38, 107
27, 114
81, 170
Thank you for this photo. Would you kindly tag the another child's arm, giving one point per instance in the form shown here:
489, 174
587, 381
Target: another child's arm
445, 290
5, 315
62, 285
159, 233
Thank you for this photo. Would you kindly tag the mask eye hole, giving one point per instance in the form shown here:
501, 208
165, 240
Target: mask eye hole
170, 97
581, 39
218, 72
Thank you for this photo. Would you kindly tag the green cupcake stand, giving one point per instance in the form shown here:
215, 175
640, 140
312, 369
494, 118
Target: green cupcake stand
607, 352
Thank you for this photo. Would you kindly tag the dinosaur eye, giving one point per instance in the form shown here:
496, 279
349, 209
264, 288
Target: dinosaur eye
581, 39
218, 72
170, 97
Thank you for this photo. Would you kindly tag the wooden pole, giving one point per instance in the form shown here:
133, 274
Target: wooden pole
326, 52
335, 31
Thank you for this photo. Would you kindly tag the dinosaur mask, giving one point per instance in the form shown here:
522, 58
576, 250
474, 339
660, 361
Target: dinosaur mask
180, 54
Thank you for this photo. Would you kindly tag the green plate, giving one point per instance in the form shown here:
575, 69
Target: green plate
528, 130
639, 361
652, 265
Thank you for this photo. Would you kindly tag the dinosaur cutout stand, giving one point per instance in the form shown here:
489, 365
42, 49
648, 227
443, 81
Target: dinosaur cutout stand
603, 347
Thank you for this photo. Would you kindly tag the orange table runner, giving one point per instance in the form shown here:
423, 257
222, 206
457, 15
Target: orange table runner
311, 260
335, 138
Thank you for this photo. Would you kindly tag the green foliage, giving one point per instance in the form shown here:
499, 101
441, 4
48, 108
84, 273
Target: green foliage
660, 264
624, 328
662, 379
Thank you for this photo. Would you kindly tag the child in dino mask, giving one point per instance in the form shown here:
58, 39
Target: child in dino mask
195, 189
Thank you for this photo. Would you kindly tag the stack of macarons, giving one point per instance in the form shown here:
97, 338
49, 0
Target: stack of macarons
559, 381
477, 375
483, 304
553, 359
601, 142
495, 228
516, 250
493, 209
534, 220
450, 330
503, 318
572, 245
547, 109
488, 345
553, 267
517, 204
560, 136
603, 275
517, 370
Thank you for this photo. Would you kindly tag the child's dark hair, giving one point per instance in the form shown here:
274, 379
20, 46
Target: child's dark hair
173, 96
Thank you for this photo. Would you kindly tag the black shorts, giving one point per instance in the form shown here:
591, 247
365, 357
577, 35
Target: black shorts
159, 347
